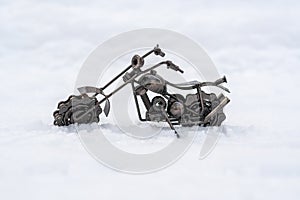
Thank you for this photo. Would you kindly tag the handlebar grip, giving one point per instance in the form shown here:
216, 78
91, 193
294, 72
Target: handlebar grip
180, 70
158, 51
162, 54
173, 66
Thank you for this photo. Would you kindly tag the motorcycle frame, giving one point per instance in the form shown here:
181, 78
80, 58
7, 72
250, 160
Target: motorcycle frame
139, 72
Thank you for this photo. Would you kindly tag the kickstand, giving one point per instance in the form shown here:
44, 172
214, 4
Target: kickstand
170, 124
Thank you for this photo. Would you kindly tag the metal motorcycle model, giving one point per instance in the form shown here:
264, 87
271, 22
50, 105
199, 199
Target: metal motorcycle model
197, 108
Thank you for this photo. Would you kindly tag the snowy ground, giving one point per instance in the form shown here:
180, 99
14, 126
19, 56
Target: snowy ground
257, 45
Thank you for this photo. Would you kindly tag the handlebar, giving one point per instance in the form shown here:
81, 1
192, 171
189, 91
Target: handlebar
139, 61
156, 50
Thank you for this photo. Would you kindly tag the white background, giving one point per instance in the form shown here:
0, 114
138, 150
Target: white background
255, 44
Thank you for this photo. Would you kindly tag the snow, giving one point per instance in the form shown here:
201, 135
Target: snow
256, 45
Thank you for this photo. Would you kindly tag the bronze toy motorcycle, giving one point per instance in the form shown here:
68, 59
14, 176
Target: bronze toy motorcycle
197, 108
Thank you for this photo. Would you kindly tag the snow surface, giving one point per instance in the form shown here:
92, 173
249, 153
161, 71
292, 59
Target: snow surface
257, 45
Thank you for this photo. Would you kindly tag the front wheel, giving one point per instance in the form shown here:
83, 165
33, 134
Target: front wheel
80, 109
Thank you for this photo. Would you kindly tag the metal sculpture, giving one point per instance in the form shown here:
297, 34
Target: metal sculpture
198, 108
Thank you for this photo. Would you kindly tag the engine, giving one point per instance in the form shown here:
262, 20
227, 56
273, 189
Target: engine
186, 110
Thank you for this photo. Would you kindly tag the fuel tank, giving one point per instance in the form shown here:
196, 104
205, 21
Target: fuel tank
153, 82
